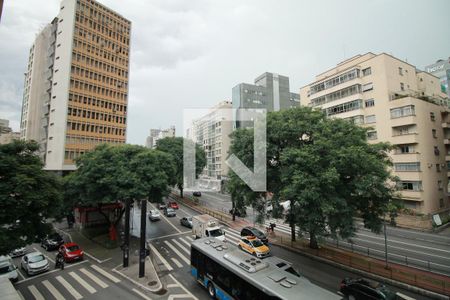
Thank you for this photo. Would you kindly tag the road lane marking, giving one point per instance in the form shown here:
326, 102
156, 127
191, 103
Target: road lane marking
141, 294
52, 271
36, 294
94, 278
20, 273
69, 288
181, 247
106, 274
182, 286
161, 258
171, 285
190, 238
178, 296
177, 262
167, 220
169, 235
185, 242
187, 261
81, 281
53, 290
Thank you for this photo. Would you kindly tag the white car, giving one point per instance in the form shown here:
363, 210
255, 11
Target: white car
154, 215
18, 252
8, 269
34, 263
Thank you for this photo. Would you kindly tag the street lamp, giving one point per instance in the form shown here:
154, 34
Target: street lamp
385, 244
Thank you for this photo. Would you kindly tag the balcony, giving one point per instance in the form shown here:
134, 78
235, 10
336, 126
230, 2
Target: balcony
447, 141
401, 121
409, 138
412, 195
445, 125
406, 157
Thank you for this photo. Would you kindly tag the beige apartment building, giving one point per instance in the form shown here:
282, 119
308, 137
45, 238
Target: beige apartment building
402, 106
76, 83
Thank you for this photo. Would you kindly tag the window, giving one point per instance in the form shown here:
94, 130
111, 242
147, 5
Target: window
402, 111
348, 106
407, 167
436, 150
440, 184
350, 75
402, 86
370, 102
400, 71
367, 87
370, 119
372, 135
345, 92
441, 203
438, 167
411, 185
367, 71
432, 116
404, 149
434, 133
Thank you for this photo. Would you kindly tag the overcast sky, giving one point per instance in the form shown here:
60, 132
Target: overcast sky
190, 53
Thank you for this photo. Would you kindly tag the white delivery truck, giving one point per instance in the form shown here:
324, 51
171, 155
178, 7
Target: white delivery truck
207, 226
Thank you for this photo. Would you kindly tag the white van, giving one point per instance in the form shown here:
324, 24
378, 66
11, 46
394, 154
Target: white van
8, 269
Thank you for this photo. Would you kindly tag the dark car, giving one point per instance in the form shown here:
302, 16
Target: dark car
365, 289
197, 194
252, 231
52, 241
169, 212
186, 221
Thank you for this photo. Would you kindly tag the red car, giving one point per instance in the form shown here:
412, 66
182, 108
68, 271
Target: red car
173, 205
71, 252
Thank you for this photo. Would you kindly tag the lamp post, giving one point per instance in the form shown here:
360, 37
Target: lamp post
385, 245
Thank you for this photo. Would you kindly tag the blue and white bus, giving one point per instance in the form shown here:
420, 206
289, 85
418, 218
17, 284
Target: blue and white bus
228, 273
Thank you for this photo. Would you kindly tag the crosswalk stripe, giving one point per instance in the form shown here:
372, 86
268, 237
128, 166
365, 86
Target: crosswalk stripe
178, 252
106, 274
184, 241
140, 294
36, 294
69, 288
232, 233
177, 262
190, 238
81, 281
94, 278
161, 258
53, 290
182, 247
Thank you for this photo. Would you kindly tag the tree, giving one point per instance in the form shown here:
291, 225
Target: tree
327, 169
28, 195
174, 146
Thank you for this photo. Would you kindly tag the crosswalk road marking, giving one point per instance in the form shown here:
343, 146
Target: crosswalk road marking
94, 278
187, 261
106, 274
161, 258
190, 238
37, 295
81, 281
53, 290
69, 288
182, 247
184, 241
177, 262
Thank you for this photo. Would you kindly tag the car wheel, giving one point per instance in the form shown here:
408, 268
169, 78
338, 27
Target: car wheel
351, 297
211, 290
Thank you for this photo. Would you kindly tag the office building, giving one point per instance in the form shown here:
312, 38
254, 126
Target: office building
441, 69
157, 134
76, 84
402, 106
270, 91
6, 133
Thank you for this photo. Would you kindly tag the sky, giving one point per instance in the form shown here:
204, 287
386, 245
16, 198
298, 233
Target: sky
190, 53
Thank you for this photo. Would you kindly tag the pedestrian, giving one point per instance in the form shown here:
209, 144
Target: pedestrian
272, 226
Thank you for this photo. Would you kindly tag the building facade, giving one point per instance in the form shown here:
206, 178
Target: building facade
6, 133
76, 84
441, 69
400, 105
270, 91
157, 134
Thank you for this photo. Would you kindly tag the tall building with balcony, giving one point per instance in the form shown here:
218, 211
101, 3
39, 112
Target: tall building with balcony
157, 134
270, 91
76, 83
402, 106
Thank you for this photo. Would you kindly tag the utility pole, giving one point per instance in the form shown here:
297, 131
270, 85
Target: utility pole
126, 246
142, 251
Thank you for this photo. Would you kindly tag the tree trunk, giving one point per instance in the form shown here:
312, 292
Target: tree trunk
233, 209
142, 242
181, 191
293, 237
313, 241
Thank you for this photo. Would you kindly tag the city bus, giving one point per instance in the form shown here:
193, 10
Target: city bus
228, 273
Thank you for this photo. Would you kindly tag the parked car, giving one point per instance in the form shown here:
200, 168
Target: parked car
169, 212
197, 194
186, 221
34, 263
254, 246
162, 206
52, 241
71, 252
8, 269
18, 252
173, 204
154, 215
361, 288
252, 231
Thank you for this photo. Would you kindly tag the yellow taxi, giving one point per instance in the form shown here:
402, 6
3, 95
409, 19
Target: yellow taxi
254, 246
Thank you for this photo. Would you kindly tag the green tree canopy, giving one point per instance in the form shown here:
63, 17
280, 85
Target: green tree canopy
28, 195
174, 146
325, 167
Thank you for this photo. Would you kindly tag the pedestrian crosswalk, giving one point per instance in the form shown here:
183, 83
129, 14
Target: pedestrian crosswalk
280, 226
76, 284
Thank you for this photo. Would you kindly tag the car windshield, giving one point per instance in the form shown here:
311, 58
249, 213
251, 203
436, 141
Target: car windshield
6, 268
258, 232
257, 243
389, 295
73, 248
154, 212
170, 210
216, 232
189, 219
36, 258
